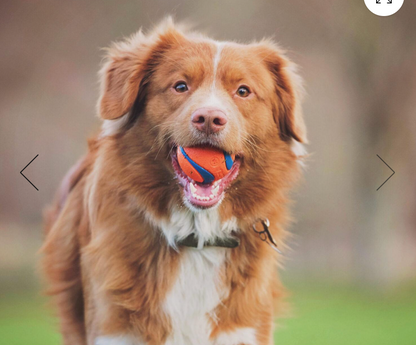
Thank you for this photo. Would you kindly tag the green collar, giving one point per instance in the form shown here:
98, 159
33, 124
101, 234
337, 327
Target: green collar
192, 241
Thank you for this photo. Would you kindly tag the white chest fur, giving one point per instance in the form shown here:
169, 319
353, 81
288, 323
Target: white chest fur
198, 290
199, 287
206, 225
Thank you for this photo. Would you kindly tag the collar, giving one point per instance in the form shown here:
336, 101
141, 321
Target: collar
192, 241
232, 242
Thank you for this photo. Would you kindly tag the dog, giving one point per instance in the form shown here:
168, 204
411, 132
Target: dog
132, 255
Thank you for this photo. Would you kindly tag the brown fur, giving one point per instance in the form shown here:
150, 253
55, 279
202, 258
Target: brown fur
107, 263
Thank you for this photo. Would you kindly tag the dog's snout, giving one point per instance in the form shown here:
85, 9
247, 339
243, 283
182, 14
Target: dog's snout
209, 120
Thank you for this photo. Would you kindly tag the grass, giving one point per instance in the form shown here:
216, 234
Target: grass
341, 316
24, 319
320, 316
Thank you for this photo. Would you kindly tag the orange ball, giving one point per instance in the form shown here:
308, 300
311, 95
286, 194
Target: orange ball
204, 164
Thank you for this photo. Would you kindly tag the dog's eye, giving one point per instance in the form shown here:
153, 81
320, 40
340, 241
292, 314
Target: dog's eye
181, 87
243, 91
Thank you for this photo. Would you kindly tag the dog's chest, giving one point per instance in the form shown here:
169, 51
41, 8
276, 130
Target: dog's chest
197, 291
199, 285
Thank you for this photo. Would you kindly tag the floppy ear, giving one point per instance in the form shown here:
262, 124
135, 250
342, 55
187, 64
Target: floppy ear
128, 63
288, 86
121, 75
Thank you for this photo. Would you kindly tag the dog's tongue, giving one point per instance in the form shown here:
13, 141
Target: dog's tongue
203, 190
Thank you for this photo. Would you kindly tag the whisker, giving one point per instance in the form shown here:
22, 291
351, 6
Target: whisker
252, 146
162, 144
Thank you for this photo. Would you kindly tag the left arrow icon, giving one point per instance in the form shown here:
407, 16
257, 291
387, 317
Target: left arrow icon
21, 172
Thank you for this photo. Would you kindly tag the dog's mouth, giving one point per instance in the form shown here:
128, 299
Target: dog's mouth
204, 195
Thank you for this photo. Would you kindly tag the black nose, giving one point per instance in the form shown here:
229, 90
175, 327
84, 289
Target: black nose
209, 120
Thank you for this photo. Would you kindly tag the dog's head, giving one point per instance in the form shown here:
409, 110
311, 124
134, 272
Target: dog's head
172, 88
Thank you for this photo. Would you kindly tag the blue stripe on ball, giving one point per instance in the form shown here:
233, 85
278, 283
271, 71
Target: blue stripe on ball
205, 174
228, 160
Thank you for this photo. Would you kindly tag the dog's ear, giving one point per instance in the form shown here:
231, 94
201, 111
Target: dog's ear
121, 75
127, 64
288, 86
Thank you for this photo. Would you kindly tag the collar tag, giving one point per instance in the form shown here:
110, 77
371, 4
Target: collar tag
265, 234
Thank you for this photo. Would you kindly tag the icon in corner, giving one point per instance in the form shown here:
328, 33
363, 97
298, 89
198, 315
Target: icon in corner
384, 8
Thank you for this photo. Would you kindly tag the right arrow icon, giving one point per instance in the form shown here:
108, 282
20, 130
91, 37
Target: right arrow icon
389, 176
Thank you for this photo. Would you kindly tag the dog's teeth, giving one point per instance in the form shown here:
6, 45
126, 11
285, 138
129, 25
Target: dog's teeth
194, 192
193, 189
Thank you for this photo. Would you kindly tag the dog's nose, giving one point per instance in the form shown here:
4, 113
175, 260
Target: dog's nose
209, 120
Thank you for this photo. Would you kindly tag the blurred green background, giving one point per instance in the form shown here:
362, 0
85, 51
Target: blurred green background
351, 269
320, 314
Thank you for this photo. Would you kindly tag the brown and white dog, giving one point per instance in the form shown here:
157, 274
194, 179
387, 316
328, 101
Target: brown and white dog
115, 252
